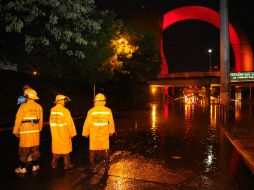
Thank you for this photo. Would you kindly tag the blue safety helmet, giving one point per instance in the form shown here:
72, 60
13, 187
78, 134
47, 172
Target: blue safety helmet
21, 100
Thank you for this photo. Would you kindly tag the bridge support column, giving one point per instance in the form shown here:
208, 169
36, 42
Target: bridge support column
207, 95
225, 90
163, 93
166, 91
250, 95
172, 91
238, 94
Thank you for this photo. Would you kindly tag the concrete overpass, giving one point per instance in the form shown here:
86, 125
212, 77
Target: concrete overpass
186, 79
205, 80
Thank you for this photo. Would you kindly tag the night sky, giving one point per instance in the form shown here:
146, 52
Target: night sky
185, 43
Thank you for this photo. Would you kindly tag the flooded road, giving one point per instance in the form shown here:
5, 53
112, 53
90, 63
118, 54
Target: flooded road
180, 145
160, 146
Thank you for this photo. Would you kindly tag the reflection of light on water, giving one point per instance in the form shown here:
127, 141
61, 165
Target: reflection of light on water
213, 116
165, 111
209, 160
135, 169
154, 117
187, 111
120, 184
136, 125
188, 116
154, 140
238, 94
238, 107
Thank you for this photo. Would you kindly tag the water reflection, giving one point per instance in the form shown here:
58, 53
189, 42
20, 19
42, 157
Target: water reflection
188, 116
187, 111
144, 170
165, 111
177, 135
238, 109
213, 116
120, 184
155, 136
209, 159
153, 116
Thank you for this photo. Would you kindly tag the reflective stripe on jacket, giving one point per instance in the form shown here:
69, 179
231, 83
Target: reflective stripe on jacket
29, 131
99, 124
62, 129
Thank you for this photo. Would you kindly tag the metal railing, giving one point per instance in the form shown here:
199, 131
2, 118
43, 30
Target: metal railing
11, 67
193, 74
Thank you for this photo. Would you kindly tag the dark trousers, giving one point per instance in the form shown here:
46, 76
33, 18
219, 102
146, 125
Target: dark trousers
99, 154
24, 152
66, 157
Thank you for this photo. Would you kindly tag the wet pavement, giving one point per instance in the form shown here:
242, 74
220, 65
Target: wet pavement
240, 132
160, 146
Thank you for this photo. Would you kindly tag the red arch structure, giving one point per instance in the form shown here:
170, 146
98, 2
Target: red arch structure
243, 53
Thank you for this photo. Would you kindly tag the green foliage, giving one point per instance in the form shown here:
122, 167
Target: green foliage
145, 62
92, 70
66, 24
71, 39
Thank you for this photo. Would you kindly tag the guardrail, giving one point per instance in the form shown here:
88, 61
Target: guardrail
12, 67
193, 74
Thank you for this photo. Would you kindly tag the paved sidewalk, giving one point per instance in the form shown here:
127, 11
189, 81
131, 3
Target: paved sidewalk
243, 141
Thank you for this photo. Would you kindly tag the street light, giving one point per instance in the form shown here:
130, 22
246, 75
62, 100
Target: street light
210, 59
35, 73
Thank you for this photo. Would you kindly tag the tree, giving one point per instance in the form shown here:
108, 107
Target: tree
145, 62
97, 68
72, 39
135, 55
48, 27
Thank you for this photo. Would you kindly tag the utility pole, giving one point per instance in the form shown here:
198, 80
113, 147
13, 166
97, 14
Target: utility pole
94, 89
225, 89
210, 59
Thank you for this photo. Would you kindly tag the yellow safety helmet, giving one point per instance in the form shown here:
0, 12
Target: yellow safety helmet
100, 97
62, 97
31, 94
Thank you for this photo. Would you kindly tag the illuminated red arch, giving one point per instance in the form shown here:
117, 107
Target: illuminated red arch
241, 52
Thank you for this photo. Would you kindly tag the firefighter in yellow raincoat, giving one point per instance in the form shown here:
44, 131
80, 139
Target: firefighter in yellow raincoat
62, 131
28, 124
99, 125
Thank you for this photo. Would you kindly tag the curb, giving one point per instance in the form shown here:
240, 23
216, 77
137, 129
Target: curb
248, 159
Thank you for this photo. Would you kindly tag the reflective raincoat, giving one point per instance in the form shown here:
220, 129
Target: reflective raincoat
62, 129
99, 125
28, 124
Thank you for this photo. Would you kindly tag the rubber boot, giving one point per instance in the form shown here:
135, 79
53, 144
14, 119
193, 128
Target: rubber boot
107, 161
92, 161
22, 168
67, 162
54, 162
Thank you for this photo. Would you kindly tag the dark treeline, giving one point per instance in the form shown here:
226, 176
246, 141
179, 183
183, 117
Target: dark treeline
120, 95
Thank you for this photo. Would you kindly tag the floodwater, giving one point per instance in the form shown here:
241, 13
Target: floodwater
160, 146
182, 146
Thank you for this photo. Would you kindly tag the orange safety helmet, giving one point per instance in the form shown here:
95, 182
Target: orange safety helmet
31, 94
